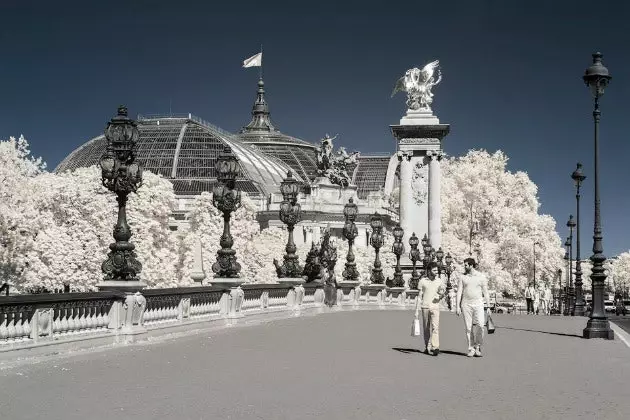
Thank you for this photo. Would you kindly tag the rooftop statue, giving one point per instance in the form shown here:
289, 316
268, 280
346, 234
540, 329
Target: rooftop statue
418, 84
334, 166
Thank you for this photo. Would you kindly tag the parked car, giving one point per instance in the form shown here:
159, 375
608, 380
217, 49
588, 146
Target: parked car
609, 306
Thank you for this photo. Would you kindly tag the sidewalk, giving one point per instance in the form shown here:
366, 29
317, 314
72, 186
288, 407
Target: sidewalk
337, 365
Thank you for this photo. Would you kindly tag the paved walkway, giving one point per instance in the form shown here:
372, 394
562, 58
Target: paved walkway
340, 365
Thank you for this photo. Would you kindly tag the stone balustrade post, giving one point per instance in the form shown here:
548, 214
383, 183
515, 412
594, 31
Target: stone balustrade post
264, 299
133, 314
299, 295
183, 309
41, 323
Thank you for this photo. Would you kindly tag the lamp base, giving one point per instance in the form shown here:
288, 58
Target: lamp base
598, 328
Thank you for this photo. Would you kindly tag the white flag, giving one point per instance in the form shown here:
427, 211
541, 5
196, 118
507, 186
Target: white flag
254, 61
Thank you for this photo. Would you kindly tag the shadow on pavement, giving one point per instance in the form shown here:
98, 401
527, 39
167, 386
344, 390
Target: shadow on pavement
403, 350
543, 332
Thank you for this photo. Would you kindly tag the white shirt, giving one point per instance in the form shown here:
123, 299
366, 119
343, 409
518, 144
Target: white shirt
430, 292
473, 288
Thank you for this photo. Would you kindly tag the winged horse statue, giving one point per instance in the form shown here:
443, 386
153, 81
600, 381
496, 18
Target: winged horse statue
418, 84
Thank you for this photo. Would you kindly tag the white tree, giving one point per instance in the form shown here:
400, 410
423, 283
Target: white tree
621, 270
76, 215
17, 215
480, 195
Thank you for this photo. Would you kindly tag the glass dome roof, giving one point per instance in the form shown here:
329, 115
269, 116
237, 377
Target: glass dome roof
184, 150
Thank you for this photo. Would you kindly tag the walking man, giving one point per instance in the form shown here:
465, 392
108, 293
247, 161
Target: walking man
473, 300
546, 299
431, 290
529, 297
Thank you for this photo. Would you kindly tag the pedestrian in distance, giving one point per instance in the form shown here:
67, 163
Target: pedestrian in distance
431, 290
473, 301
529, 298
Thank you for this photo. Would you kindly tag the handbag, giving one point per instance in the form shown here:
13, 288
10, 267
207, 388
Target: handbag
489, 323
415, 326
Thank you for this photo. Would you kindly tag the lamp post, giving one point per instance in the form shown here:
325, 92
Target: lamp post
596, 78
567, 291
414, 256
290, 215
376, 240
227, 200
559, 291
473, 230
350, 232
571, 225
449, 270
121, 175
428, 254
534, 246
578, 177
398, 248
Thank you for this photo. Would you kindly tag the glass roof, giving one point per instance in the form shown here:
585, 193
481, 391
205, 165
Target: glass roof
185, 149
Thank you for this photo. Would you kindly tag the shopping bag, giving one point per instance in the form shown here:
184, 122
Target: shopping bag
415, 326
489, 323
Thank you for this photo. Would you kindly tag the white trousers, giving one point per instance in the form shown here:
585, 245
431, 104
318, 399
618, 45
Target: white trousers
474, 316
544, 306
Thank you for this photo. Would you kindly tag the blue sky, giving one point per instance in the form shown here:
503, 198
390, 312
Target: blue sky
512, 78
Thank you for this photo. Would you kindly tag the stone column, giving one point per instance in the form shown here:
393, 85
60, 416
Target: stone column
361, 240
309, 236
406, 195
435, 178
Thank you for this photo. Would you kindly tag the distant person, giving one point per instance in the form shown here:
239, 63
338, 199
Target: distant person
547, 297
430, 291
536, 300
529, 298
473, 300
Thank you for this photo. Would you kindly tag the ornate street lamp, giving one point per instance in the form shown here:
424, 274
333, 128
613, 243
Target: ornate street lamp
289, 215
449, 270
578, 177
571, 226
227, 199
414, 256
428, 254
596, 78
567, 290
350, 232
398, 248
121, 175
377, 240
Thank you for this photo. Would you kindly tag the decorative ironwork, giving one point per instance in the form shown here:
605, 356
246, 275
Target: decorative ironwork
350, 232
226, 199
121, 175
289, 215
448, 269
414, 256
312, 267
398, 248
377, 240
578, 177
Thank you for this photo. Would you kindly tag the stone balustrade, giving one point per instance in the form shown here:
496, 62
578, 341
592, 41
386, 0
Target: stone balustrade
35, 320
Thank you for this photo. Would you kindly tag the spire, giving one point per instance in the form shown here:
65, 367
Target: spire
260, 113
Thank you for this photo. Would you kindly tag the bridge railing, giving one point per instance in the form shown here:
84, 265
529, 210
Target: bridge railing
44, 319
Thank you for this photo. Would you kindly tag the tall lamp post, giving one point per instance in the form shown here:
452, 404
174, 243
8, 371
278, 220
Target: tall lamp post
578, 177
559, 291
449, 270
290, 215
121, 175
376, 240
596, 78
567, 286
398, 248
571, 225
227, 199
350, 232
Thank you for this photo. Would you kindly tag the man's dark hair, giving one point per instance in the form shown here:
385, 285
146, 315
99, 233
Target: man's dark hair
432, 264
471, 261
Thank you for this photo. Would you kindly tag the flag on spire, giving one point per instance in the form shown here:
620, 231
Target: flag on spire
254, 61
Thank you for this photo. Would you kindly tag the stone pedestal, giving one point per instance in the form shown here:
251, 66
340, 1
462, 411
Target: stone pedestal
232, 302
397, 295
296, 294
419, 136
121, 285
377, 291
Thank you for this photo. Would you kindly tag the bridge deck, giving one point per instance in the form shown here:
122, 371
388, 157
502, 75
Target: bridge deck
342, 365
